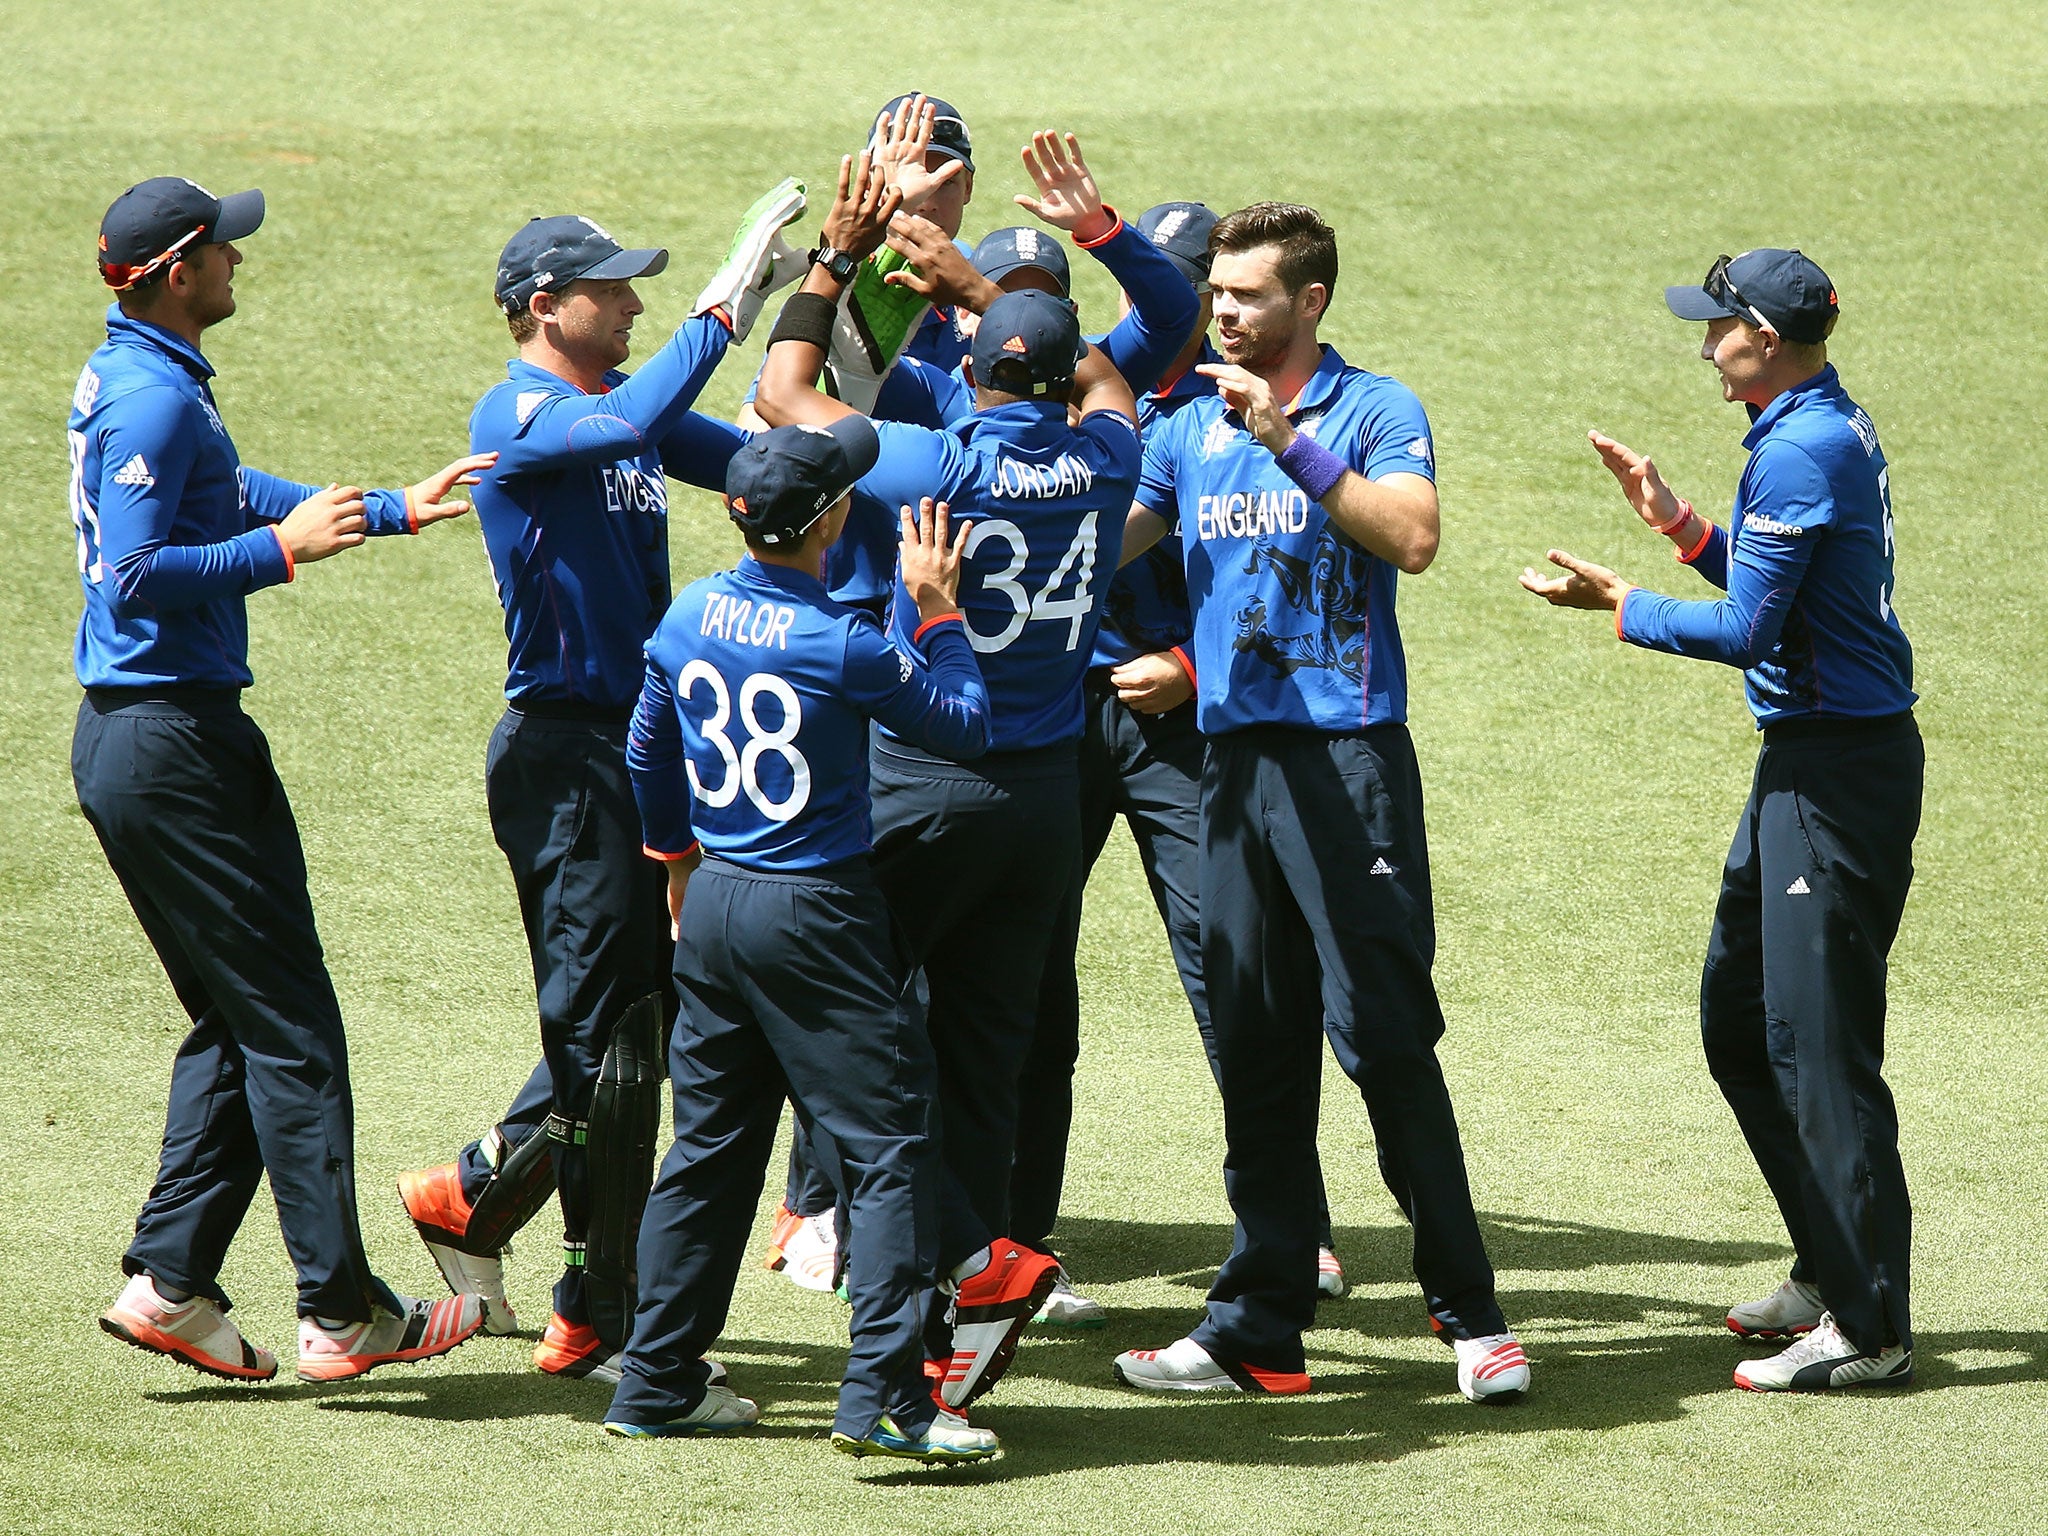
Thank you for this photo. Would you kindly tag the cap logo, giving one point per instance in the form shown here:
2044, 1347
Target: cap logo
812, 427
1831, 295
1016, 345
1169, 226
595, 228
1027, 244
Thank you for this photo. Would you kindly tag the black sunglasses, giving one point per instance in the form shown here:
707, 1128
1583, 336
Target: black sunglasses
1720, 287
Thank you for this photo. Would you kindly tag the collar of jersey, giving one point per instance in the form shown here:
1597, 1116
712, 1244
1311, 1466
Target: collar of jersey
122, 327
785, 577
1018, 419
1826, 382
520, 368
1320, 386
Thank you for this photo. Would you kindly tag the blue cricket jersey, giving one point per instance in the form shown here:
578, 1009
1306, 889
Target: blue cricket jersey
1806, 562
1040, 495
1294, 621
575, 512
174, 531
1146, 610
751, 734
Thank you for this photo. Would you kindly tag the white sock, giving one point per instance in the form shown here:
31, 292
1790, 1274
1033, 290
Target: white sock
968, 1269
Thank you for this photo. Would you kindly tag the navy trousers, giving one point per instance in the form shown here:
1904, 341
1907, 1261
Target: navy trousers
1317, 920
595, 910
1148, 769
180, 790
791, 985
1792, 1002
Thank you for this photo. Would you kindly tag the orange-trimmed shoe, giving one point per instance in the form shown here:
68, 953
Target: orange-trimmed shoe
989, 1313
194, 1332
419, 1331
787, 1225
440, 1214
575, 1350
1185, 1366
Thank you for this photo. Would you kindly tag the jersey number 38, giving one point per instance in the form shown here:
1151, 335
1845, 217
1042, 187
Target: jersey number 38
742, 764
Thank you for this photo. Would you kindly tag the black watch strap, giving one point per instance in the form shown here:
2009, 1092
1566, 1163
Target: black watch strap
838, 263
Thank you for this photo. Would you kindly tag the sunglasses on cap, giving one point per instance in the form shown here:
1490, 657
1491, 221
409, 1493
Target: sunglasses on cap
120, 276
1720, 287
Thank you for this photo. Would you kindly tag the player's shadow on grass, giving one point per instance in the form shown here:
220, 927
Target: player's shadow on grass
1187, 1253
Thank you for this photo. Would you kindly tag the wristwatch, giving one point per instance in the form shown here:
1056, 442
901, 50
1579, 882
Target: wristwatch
840, 265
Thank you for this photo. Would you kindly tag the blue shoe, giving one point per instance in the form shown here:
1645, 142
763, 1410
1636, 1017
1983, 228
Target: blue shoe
722, 1412
949, 1438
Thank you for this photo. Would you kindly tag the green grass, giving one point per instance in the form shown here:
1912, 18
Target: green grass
1511, 185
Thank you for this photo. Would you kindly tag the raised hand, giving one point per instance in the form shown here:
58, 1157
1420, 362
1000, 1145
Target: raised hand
901, 144
930, 559
325, 523
1067, 195
1252, 398
861, 208
1655, 502
939, 272
425, 502
1585, 586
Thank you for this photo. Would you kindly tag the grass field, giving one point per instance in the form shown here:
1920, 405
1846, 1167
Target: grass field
1511, 185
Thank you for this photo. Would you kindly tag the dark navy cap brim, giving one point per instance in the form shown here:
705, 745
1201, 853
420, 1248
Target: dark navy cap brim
640, 263
995, 272
1695, 303
241, 215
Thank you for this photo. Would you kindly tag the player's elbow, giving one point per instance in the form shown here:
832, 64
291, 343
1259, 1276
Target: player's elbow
1417, 551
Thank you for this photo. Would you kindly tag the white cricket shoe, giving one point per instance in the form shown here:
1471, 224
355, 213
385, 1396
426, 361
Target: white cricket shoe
759, 260
1792, 1309
419, 1330
811, 1253
194, 1332
1184, 1366
1066, 1307
1329, 1274
948, 1438
1822, 1359
722, 1412
1492, 1369
471, 1274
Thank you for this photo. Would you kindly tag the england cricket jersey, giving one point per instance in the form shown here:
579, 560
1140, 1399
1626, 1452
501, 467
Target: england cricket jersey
575, 512
1806, 562
1294, 621
174, 531
1042, 496
751, 734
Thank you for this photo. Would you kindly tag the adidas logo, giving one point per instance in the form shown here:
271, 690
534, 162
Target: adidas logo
134, 472
1380, 867
1799, 887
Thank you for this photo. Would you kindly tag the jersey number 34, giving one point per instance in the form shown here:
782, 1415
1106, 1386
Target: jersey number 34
1077, 565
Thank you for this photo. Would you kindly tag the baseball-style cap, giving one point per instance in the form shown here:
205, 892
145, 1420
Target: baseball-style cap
785, 480
949, 129
550, 252
1181, 231
1004, 251
1026, 343
1782, 291
147, 226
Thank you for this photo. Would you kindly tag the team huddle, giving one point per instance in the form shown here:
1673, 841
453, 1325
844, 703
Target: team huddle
816, 830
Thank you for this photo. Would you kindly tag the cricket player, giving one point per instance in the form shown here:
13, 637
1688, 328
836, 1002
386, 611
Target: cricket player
174, 533
749, 750
575, 517
975, 857
1301, 489
1792, 998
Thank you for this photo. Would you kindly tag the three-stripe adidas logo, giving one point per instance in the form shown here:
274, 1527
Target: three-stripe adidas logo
1799, 887
134, 472
1380, 867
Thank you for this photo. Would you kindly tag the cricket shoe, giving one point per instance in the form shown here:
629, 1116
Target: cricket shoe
780, 1231
1329, 1275
1792, 1309
1185, 1366
1066, 1307
419, 1330
758, 262
989, 1313
434, 1200
1492, 1369
194, 1332
1823, 1358
810, 1253
722, 1412
948, 1438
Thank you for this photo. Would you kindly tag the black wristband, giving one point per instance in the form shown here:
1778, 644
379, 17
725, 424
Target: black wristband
806, 317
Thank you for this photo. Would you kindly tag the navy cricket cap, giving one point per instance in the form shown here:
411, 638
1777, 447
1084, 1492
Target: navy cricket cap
147, 226
1028, 341
550, 252
949, 129
1785, 291
783, 481
1004, 251
1181, 231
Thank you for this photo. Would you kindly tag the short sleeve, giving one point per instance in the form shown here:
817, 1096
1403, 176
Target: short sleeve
1394, 437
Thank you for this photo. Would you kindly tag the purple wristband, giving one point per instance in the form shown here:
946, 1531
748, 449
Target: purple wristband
1312, 466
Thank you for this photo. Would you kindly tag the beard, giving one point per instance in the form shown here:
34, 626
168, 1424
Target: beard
1256, 350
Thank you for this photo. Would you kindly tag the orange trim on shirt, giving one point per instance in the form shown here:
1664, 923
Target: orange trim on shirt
291, 566
1686, 557
930, 624
670, 858
1116, 226
1187, 662
1617, 614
